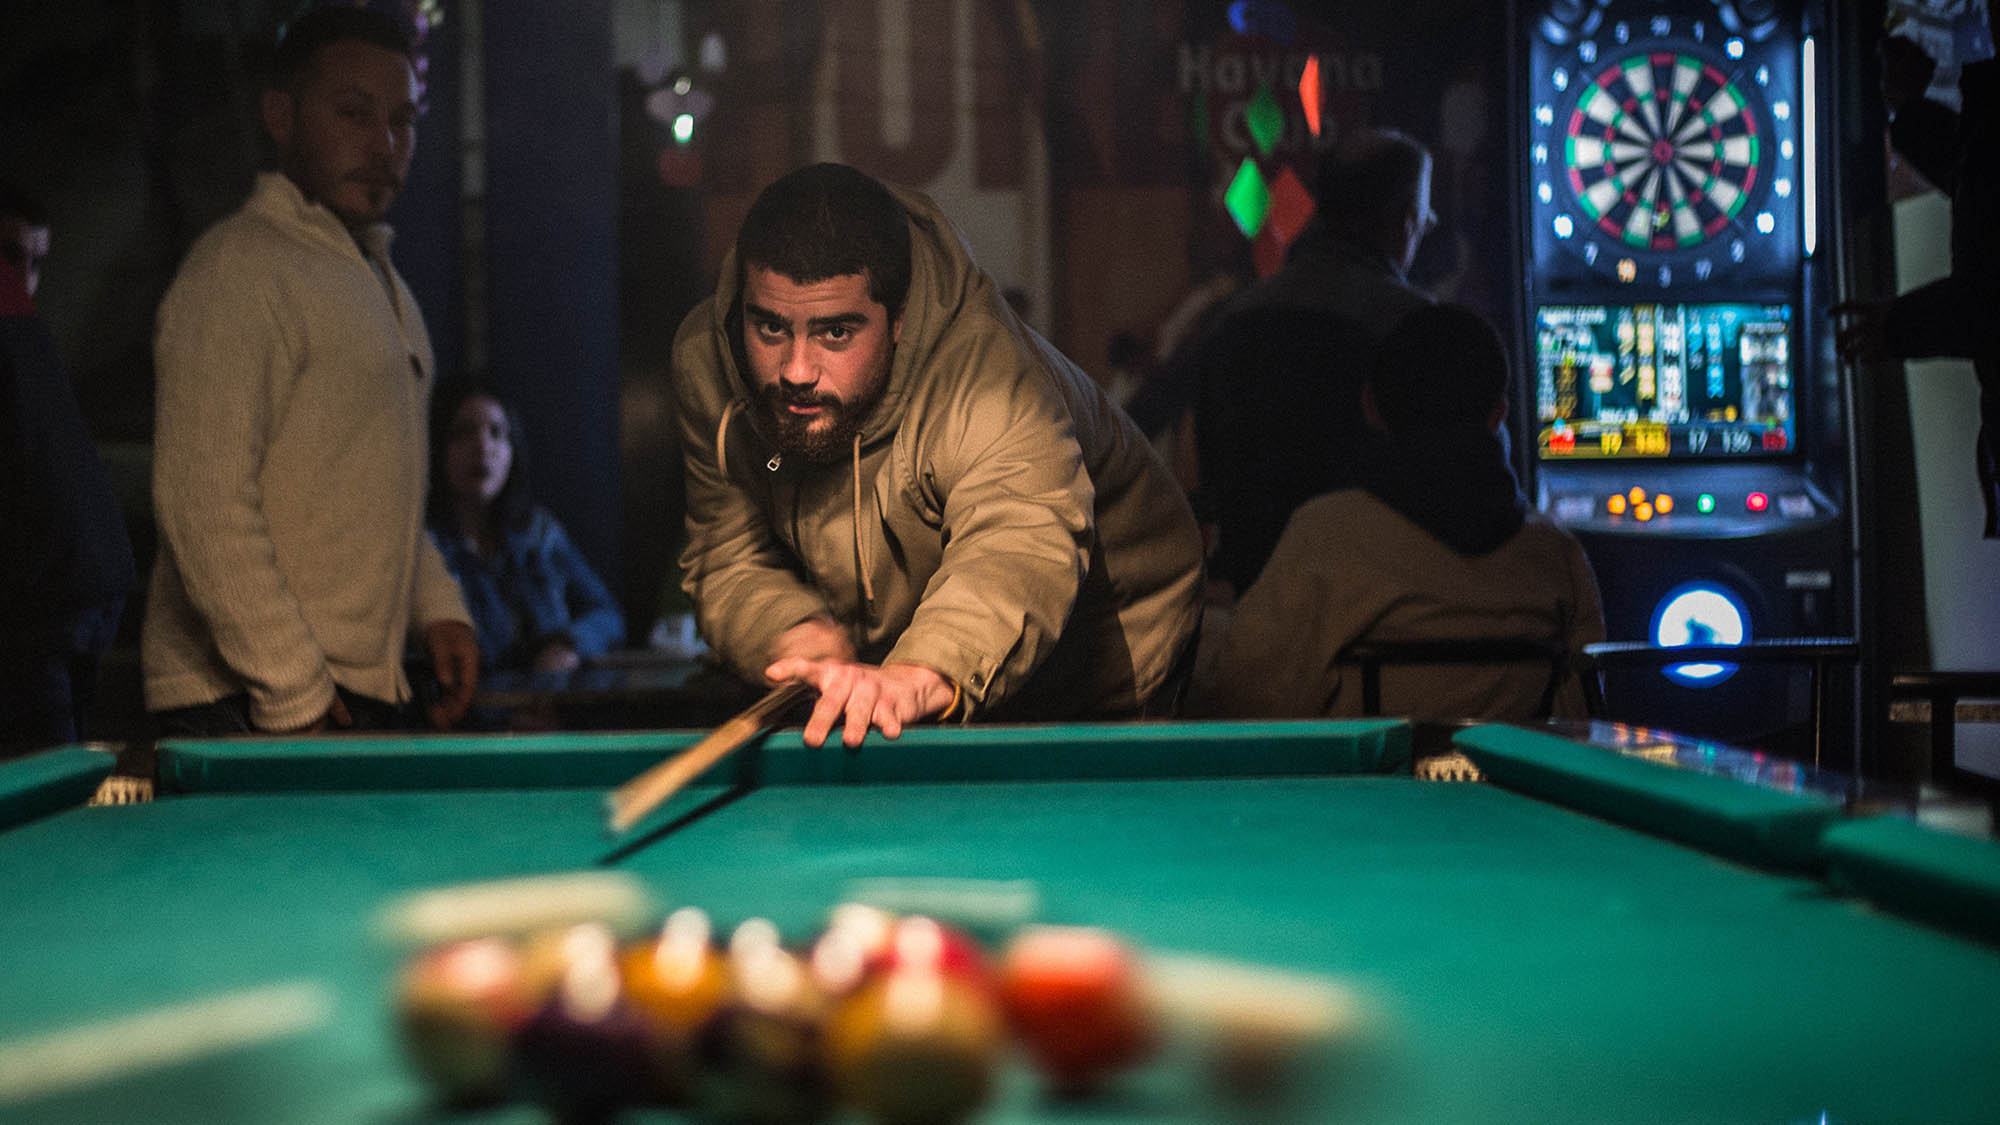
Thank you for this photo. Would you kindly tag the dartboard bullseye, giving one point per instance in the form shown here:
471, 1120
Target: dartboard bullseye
1662, 151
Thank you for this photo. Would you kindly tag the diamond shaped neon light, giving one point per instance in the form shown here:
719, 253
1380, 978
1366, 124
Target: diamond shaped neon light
1291, 205
1248, 199
1265, 119
1309, 93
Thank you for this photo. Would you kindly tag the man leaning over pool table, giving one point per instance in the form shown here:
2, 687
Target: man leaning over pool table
901, 495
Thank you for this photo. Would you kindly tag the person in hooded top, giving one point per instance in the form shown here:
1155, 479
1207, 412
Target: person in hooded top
1433, 542
901, 495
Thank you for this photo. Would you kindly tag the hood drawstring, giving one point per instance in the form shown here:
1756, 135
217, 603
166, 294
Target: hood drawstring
860, 541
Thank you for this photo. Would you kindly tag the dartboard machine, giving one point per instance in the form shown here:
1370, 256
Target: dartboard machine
1690, 425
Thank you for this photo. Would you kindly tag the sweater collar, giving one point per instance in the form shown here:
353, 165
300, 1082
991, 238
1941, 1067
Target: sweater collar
276, 196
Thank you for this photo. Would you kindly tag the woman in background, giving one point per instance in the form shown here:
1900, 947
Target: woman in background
535, 602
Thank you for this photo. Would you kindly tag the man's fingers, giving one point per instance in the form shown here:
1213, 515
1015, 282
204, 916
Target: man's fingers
860, 712
832, 703
791, 668
889, 719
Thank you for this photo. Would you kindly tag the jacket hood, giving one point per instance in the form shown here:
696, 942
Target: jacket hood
946, 290
1454, 482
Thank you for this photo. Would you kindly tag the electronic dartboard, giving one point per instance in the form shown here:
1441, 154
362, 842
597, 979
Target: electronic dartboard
1688, 422
1665, 151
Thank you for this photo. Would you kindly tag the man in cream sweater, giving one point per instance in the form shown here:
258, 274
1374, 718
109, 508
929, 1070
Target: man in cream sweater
294, 372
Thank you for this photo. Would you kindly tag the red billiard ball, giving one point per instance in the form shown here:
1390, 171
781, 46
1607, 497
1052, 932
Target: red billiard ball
676, 982
917, 942
914, 1045
458, 1007
1075, 998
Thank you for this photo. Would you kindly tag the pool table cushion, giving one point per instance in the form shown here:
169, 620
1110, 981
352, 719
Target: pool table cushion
1747, 823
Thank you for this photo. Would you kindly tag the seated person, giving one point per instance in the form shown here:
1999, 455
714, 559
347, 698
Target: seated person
536, 604
901, 495
1434, 542
1277, 410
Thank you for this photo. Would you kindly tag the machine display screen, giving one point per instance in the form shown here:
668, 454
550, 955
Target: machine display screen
1659, 380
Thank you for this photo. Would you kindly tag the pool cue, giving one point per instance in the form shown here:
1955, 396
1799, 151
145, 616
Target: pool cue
648, 791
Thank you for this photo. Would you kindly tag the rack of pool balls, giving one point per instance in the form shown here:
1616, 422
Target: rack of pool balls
896, 1018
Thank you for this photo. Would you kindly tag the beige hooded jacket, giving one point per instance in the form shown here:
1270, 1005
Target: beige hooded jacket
999, 521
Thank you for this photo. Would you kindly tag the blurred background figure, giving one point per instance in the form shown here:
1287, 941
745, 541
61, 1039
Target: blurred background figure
24, 234
1432, 542
1277, 398
1954, 315
536, 604
65, 560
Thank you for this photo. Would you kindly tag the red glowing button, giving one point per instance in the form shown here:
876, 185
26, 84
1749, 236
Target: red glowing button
1757, 502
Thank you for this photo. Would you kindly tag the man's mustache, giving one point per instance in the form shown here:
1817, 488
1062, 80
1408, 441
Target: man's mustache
801, 396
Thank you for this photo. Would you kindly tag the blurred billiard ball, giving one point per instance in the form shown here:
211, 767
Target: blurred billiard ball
458, 1006
585, 1054
675, 982
916, 1045
760, 1057
1075, 998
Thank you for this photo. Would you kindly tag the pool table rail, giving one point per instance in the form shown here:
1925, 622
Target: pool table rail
927, 755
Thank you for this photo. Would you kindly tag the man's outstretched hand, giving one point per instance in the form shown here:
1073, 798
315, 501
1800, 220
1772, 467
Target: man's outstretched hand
887, 697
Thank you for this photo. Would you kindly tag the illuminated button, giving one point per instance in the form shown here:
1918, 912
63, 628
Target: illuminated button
1700, 613
1637, 495
1615, 505
1663, 503
1756, 501
1795, 506
1705, 503
1642, 511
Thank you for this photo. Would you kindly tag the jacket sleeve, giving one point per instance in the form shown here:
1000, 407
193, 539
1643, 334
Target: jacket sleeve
222, 361
596, 625
1276, 660
437, 596
744, 588
1019, 527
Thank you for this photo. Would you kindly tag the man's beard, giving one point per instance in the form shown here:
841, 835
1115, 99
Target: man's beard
819, 439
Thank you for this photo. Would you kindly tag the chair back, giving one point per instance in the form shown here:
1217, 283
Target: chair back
1372, 655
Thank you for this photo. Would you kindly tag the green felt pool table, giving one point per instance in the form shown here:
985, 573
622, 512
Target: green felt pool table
1587, 937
